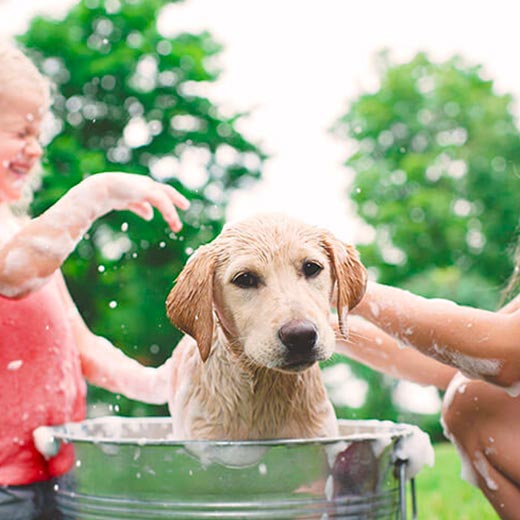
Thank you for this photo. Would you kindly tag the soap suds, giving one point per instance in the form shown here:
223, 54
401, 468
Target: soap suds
14, 365
481, 466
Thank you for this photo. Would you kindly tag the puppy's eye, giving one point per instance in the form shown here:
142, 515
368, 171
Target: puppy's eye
311, 269
246, 281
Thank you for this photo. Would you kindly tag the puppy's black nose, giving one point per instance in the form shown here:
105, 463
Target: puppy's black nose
299, 336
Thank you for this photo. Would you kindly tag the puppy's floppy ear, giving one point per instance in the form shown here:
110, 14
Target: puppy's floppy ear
350, 276
190, 303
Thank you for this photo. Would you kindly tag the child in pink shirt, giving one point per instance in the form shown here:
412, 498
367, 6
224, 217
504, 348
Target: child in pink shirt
46, 350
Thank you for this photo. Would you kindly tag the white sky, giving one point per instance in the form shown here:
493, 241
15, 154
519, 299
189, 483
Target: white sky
297, 63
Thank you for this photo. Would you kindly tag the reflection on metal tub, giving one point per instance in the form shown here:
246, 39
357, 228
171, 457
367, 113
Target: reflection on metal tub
133, 469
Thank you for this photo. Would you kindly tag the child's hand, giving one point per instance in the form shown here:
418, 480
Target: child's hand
39, 248
137, 193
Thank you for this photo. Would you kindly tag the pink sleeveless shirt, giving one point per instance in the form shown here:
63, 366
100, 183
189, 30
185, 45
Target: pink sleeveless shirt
40, 383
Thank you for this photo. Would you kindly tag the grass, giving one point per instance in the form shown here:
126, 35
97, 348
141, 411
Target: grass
442, 495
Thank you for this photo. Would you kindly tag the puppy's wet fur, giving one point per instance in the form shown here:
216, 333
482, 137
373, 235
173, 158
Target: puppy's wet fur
255, 305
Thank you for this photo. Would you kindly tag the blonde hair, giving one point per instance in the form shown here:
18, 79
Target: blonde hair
18, 71
17, 68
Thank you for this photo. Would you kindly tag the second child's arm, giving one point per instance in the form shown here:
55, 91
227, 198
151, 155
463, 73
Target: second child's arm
371, 346
481, 344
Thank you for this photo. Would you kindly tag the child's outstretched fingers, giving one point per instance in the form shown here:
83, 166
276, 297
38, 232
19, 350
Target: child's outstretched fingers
139, 193
142, 209
161, 198
178, 199
166, 203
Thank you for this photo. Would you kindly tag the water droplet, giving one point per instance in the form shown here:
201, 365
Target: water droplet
162, 244
112, 304
15, 364
124, 227
101, 268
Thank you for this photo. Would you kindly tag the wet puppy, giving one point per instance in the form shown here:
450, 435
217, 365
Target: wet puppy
255, 305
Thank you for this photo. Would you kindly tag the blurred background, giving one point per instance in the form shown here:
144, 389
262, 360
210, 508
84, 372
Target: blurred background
395, 125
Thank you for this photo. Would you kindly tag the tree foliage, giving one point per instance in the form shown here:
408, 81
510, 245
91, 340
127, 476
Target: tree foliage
128, 98
436, 173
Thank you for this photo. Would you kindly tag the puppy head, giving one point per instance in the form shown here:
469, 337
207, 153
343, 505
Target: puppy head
268, 281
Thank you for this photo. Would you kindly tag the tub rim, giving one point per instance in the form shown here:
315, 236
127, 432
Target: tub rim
73, 432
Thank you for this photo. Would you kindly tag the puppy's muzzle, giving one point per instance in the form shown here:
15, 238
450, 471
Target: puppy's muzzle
300, 338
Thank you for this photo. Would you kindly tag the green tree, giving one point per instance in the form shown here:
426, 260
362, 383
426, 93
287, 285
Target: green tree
131, 99
436, 173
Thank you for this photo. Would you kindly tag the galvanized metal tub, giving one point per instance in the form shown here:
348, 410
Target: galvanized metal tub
131, 469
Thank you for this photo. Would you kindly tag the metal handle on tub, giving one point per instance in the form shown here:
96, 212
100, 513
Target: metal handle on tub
402, 492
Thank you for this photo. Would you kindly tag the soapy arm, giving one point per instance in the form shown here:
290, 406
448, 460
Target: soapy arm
40, 247
481, 344
371, 346
106, 366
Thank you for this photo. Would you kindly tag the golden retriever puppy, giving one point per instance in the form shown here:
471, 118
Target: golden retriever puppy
255, 304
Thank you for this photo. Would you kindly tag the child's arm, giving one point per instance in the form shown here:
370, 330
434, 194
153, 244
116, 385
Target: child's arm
106, 366
479, 343
371, 346
41, 246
